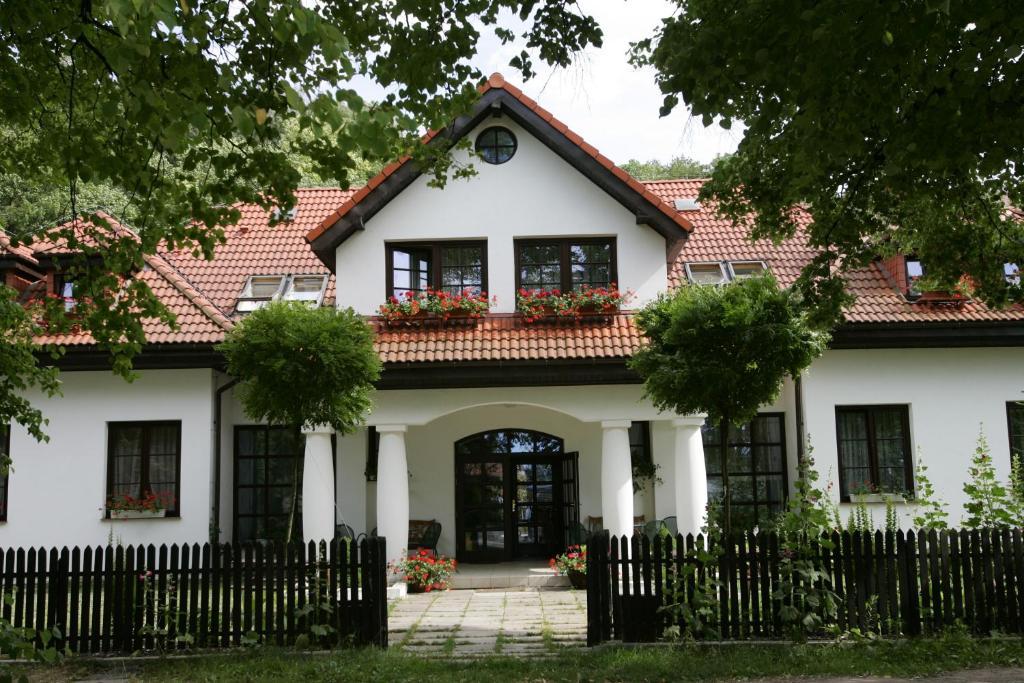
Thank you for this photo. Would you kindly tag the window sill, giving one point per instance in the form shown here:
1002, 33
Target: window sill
135, 516
876, 498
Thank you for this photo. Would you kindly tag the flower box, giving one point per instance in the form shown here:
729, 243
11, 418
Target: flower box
418, 308
536, 305
137, 514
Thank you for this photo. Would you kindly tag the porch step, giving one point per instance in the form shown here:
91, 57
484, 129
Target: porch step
507, 575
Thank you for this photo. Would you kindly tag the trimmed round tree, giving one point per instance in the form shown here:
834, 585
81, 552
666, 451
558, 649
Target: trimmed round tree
298, 365
724, 351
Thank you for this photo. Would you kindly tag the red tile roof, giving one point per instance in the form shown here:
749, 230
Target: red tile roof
497, 81
253, 247
877, 300
198, 320
501, 337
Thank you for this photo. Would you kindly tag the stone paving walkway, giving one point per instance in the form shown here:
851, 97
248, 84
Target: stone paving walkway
478, 623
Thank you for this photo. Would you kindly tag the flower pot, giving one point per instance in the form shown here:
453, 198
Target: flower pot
577, 578
137, 514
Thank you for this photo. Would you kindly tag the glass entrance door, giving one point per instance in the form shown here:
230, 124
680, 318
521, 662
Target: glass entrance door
537, 514
509, 499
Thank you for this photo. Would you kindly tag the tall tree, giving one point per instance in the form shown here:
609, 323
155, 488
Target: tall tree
898, 126
677, 167
182, 106
724, 351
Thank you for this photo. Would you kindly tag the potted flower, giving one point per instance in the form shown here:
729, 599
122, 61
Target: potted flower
416, 306
150, 505
572, 563
424, 572
600, 300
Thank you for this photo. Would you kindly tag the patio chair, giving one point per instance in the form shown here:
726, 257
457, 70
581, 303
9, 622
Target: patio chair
344, 531
671, 525
652, 528
430, 537
372, 534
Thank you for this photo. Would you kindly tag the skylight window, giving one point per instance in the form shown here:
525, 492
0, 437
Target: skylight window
306, 288
259, 290
707, 273
741, 270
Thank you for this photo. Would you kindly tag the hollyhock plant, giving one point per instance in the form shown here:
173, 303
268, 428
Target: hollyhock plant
425, 572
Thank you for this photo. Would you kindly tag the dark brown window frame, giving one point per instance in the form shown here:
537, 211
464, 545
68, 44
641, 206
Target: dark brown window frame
908, 459
144, 475
372, 453
754, 471
5, 440
435, 258
236, 457
565, 260
1011, 406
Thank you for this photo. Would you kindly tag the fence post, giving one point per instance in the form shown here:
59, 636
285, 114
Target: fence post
598, 624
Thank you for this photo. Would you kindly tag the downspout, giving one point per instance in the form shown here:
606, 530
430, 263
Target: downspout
215, 521
798, 386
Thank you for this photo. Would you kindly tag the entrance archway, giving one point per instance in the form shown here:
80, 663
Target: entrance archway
516, 495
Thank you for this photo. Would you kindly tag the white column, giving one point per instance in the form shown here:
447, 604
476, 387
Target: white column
691, 479
393, 490
616, 478
318, 485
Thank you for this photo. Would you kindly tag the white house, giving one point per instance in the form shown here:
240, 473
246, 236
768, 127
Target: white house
511, 434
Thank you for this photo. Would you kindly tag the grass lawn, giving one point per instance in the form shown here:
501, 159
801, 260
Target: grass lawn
709, 663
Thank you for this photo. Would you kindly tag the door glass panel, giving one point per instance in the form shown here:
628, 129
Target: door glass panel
544, 473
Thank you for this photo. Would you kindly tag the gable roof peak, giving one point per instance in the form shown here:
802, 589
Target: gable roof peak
496, 80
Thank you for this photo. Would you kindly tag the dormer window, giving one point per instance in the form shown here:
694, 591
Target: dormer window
741, 270
915, 271
1012, 273
260, 290
707, 273
64, 287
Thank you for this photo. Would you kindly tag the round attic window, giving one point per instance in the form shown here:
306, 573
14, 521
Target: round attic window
496, 145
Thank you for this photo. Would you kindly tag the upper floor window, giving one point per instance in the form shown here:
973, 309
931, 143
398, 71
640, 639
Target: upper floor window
1012, 273
915, 271
706, 273
1015, 423
64, 287
144, 458
259, 290
565, 264
452, 267
496, 145
741, 270
721, 272
874, 450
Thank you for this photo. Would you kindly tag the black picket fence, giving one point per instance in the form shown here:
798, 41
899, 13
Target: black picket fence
137, 598
892, 583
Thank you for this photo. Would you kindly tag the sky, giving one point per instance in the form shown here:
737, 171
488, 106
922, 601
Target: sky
612, 105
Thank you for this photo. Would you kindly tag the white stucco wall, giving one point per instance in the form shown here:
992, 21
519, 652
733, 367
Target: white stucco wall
57, 489
535, 194
952, 393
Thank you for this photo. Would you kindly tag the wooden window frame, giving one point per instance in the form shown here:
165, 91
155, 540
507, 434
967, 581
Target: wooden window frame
265, 487
1011, 406
908, 460
565, 257
146, 425
435, 248
755, 472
